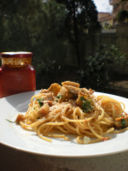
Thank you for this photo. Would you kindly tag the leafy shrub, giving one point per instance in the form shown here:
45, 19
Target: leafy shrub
97, 70
122, 16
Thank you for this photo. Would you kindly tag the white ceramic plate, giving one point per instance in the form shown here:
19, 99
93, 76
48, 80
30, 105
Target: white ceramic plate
14, 136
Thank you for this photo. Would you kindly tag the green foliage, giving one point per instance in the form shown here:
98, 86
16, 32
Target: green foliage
40, 101
97, 69
80, 16
18, 19
81, 13
107, 26
122, 16
50, 45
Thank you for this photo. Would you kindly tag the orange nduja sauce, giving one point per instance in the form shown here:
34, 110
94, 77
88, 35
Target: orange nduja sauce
16, 73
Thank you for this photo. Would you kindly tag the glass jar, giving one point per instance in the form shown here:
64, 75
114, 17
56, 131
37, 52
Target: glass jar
16, 73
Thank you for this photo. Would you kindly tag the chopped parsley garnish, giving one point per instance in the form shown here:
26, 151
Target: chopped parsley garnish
123, 123
82, 98
40, 102
10, 121
86, 105
59, 96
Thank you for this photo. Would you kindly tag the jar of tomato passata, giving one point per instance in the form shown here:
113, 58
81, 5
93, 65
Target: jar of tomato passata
16, 73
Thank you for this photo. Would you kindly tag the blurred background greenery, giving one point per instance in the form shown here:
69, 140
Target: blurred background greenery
67, 42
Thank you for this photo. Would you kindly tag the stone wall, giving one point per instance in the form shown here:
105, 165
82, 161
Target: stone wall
91, 42
118, 37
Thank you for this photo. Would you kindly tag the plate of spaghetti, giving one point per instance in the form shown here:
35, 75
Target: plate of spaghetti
65, 120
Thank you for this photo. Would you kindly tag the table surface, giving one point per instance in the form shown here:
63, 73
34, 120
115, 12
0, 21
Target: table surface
16, 160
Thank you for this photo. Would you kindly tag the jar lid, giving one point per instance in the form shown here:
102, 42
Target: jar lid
20, 54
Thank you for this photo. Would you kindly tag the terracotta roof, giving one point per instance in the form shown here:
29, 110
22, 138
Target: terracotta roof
104, 16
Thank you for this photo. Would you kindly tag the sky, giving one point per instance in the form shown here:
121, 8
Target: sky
103, 5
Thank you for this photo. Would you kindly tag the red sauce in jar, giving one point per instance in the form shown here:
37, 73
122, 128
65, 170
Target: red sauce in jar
16, 73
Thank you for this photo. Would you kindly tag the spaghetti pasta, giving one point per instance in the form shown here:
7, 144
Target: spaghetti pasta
67, 109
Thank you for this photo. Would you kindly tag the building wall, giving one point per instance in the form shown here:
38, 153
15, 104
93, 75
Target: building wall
105, 19
118, 5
